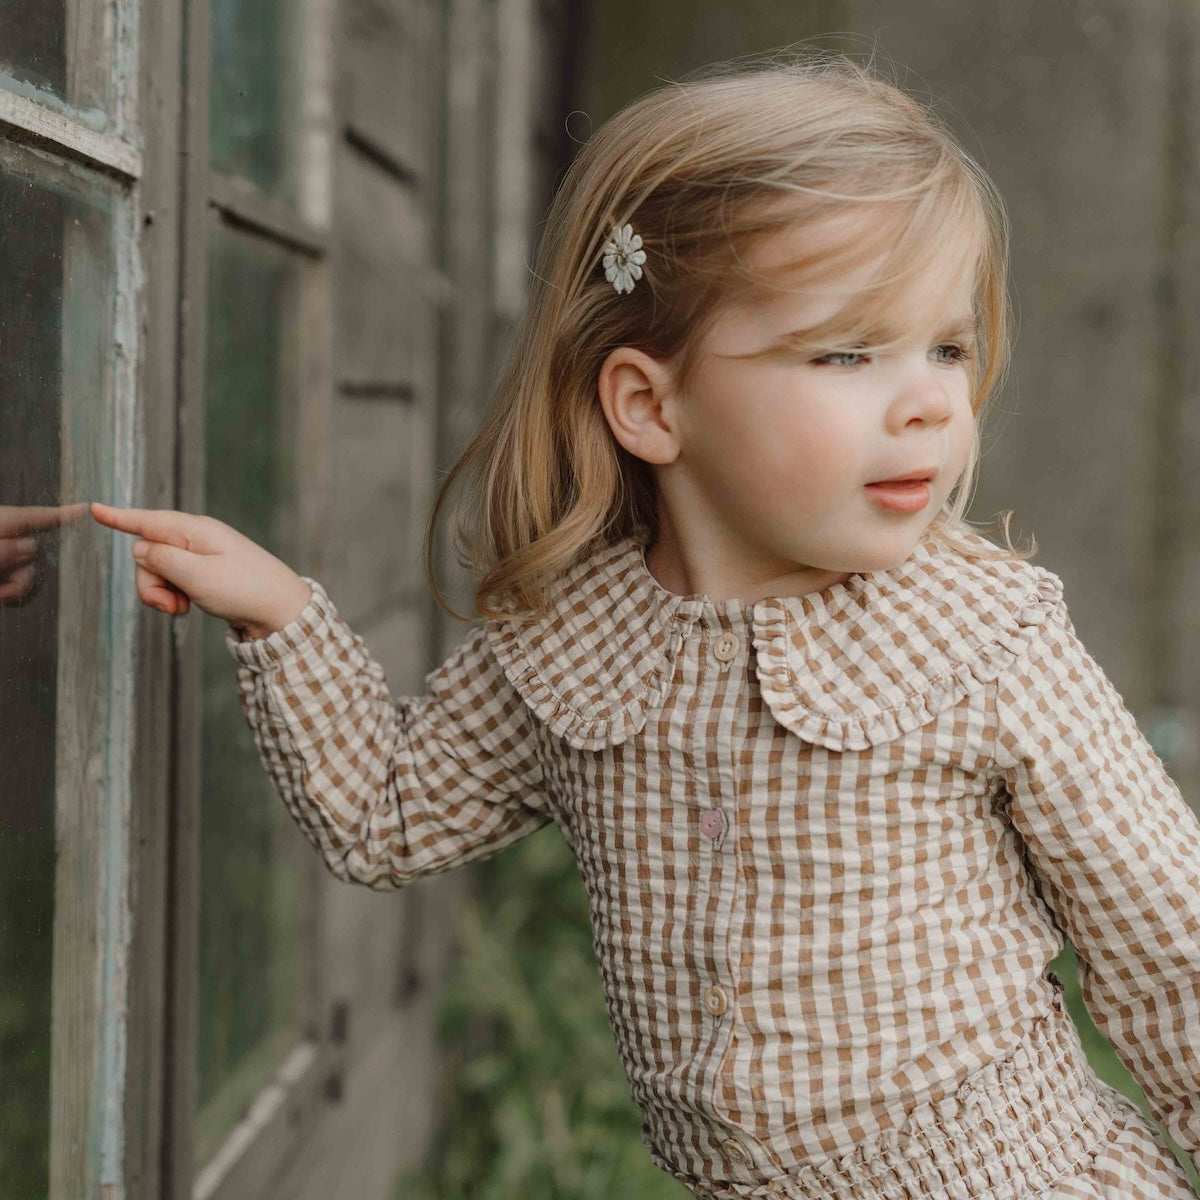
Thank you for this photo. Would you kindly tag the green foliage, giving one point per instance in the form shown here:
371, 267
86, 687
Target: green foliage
538, 1105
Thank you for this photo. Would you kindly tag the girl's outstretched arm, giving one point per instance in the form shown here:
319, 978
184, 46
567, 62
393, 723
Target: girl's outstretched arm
1116, 851
389, 790
384, 790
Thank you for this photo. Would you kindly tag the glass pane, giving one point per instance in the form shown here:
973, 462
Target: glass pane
256, 96
58, 52
248, 844
56, 346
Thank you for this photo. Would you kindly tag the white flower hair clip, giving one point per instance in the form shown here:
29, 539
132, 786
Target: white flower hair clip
623, 258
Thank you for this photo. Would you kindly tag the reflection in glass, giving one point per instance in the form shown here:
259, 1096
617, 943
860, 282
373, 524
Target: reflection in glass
55, 51
248, 844
255, 97
56, 337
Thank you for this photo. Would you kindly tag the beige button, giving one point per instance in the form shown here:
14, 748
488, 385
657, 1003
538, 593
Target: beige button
715, 1001
726, 647
735, 1151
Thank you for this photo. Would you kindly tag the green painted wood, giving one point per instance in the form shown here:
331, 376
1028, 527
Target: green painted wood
257, 92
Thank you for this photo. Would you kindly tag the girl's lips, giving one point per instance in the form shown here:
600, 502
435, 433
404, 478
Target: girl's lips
925, 473
900, 495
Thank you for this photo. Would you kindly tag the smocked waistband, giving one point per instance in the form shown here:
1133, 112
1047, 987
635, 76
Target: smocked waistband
1008, 1132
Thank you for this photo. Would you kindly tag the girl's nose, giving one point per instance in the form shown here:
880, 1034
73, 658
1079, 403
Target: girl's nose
923, 395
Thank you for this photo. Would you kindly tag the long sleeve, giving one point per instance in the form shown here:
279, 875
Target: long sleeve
388, 790
1115, 851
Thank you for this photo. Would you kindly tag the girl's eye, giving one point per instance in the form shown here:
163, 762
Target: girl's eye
954, 353
836, 358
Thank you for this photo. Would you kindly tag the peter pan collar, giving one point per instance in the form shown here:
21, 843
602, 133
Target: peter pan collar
858, 663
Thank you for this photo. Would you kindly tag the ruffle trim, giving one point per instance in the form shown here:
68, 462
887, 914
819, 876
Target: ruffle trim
789, 688
860, 664
591, 667
586, 722
583, 729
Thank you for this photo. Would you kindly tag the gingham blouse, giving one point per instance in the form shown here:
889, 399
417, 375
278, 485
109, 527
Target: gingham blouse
830, 844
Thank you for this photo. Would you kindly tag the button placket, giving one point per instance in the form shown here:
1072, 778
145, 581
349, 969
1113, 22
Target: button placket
714, 824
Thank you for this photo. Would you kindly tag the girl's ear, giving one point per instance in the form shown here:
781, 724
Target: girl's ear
632, 388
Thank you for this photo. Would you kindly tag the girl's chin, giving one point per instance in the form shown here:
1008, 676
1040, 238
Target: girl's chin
881, 558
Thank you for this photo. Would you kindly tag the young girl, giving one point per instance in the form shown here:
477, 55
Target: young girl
839, 776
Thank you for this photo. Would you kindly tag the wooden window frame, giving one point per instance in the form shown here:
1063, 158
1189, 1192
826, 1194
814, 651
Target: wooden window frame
116, 824
284, 1110
155, 146
158, 72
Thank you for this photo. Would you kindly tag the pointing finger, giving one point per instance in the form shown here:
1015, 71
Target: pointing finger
158, 524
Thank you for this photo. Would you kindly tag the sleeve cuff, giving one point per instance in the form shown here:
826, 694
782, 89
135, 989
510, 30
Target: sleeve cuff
311, 625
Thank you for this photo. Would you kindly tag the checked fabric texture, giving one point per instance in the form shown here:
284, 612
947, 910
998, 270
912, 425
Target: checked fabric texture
830, 844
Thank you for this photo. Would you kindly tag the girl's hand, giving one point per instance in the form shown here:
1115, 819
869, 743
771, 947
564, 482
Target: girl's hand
185, 558
18, 549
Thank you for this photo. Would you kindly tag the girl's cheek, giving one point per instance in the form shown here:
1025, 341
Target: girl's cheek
966, 434
794, 473
821, 450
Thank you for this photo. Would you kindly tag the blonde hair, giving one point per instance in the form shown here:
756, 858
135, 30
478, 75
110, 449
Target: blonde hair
703, 170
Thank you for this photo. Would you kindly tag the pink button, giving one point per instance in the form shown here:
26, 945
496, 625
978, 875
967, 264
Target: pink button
712, 822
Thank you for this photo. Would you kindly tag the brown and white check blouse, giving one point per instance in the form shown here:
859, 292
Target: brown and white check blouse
830, 844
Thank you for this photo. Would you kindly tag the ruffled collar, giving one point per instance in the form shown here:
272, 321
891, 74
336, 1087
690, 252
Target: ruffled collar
858, 663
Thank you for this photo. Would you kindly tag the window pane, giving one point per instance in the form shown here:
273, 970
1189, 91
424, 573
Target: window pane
248, 844
256, 96
56, 346
57, 52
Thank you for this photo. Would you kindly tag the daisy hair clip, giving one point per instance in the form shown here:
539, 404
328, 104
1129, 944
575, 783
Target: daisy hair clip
623, 258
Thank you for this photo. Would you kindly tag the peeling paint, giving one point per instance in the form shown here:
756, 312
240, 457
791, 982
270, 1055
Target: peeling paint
128, 468
65, 133
93, 118
126, 46
96, 156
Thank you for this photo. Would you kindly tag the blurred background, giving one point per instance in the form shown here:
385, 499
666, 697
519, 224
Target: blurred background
260, 258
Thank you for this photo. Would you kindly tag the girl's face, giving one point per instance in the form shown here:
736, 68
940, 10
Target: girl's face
776, 454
